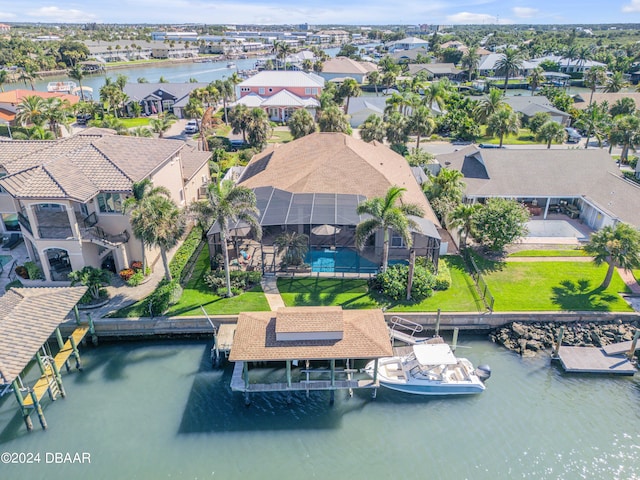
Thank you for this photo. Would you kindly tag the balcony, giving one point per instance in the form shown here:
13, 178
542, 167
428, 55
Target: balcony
24, 223
98, 234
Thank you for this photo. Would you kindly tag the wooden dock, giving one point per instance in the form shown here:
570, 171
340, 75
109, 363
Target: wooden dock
238, 384
47, 382
226, 331
611, 359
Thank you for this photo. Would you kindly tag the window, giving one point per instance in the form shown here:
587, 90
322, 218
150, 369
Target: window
110, 202
307, 91
397, 241
314, 91
261, 90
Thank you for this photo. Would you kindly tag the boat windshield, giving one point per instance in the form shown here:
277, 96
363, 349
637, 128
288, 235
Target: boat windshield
434, 354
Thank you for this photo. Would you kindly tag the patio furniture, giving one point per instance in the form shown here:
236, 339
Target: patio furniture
571, 211
13, 241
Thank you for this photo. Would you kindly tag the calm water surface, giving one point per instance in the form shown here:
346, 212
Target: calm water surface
157, 410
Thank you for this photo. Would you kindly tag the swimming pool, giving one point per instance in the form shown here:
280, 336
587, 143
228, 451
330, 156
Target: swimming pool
339, 260
5, 259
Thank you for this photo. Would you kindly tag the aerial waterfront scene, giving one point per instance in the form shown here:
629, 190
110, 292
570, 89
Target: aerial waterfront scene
271, 240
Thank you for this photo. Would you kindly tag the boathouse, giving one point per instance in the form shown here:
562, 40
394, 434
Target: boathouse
29, 317
313, 338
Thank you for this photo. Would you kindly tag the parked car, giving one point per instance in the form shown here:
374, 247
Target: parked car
191, 127
83, 118
573, 136
237, 144
489, 145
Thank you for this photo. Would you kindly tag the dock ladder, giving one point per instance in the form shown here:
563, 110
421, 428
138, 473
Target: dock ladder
405, 330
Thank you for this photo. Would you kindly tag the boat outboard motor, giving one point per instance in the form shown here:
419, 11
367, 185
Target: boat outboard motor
483, 372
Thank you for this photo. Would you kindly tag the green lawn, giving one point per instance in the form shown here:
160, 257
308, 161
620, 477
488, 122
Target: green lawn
540, 286
314, 291
280, 137
353, 293
574, 252
524, 137
135, 122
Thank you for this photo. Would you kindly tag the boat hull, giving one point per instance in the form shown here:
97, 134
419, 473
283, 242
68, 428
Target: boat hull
434, 389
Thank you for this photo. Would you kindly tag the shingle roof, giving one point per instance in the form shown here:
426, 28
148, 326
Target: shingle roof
375, 104
590, 173
529, 105
434, 68
582, 101
193, 161
274, 78
28, 317
365, 336
346, 66
335, 163
140, 91
81, 166
309, 319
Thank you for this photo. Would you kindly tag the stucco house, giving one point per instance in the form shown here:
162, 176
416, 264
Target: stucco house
67, 194
360, 108
436, 70
160, 97
528, 106
313, 186
280, 93
585, 183
407, 43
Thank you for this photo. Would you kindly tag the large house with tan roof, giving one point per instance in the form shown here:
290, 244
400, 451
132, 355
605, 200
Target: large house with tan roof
313, 186
588, 181
67, 195
339, 68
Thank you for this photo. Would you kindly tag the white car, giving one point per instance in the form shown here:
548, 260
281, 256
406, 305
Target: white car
191, 127
573, 136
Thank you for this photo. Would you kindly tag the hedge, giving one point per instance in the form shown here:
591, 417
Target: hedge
184, 253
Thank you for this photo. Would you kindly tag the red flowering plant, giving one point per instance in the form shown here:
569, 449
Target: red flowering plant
126, 274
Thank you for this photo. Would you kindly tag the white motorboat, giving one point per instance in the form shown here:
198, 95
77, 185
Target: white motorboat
429, 369
231, 65
61, 87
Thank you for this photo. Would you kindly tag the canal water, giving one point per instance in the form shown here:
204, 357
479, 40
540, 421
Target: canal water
157, 410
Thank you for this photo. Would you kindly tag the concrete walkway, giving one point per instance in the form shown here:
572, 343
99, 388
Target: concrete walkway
548, 259
271, 292
630, 280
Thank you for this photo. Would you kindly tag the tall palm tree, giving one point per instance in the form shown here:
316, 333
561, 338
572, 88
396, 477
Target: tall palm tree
77, 73
421, 123
444, 191
551, 132
625, 131
142, 191
239, 120
332, 119
489, 105
387, 215
509, 64
160, 125
504, 122
227, 204
470, 61
536, 78
30, 110
349, 88
374, 79
227, 93
372, 129
301, 123
436, 92
462, 218
158, 222
4, 77
615, 83
617, 245
294, 245
28, 74
593, 78
396, 131
56, 112
590, 118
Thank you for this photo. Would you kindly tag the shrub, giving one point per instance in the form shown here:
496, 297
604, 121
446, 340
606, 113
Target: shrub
21, 271
443, 278
136, 266
167, 294
240, 280
33, 270
393, 283
183, 254
15, 283
126, 274
88, 298
135, 279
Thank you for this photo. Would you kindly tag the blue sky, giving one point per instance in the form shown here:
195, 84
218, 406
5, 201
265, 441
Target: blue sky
314, 12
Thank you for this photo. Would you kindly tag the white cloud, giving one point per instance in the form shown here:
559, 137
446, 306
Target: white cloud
525, 12
7, 15
55, 14
476, 18
633, 7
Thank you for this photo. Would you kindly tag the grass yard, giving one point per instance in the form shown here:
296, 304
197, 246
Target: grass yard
574, 252
353, 293
552, 286
135, 122
524, 137
279, 136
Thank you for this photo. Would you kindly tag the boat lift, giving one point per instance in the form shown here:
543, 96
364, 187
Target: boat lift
405, 330
222, 340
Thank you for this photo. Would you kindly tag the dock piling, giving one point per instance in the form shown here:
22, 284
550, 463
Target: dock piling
438, 323
556, 349
38, 408
634, 343
454, 342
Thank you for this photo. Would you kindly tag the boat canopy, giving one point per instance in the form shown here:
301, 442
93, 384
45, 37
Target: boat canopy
434, 354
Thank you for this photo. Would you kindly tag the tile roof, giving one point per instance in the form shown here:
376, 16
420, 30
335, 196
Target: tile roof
275, 78
335, 163
81, 166
589, 173
192, 161
309, 319
582, 101
28, 317
346, 65
365, 336
16, 96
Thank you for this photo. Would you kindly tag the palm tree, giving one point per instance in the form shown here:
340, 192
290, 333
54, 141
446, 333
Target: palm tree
227, 93
373, 128
551, 132
617, 245
462, 218
615, 83
160, 125
509, 64
396, 130
421, 123
386, 214
4, 77
536, 78
444, 191
30, 111
470, 61
623, 106
77, 73
40, 133
593, 78
348, 89
56, 112
294, 245
504, 122
489, 105
141, 132
28, 74
389, 79
374, 79
591, 118
227, 204
239, 120
333, 120
301, 123
258, 128
626, 132
436, 92
142, 191
158, 222
91, 277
